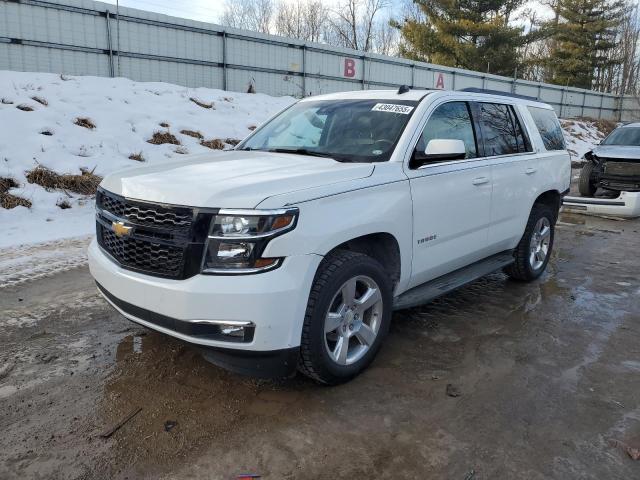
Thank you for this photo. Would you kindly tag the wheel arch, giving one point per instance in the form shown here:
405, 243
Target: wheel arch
551, 198
382, 247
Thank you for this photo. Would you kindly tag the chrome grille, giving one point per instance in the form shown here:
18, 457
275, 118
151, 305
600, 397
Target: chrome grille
160, 239
145, 214
143, 255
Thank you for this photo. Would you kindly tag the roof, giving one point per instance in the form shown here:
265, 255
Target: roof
419, 94
415, 95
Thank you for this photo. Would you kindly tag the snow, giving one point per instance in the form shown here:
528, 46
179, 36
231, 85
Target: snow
126, 114
580, 136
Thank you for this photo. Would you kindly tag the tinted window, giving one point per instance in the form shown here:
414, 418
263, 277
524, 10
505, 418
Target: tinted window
450, 121
501, 130
549, 128
624, 136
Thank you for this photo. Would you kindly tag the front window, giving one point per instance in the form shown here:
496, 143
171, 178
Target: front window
629, 136
450, 121
345, 130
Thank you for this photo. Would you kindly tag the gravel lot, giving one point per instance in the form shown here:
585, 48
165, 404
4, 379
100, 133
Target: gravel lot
546, 378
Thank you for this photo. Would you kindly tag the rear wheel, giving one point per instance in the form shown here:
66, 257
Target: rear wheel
586, 186
347, 317
534, 250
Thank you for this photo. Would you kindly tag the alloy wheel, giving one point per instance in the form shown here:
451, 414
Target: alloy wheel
353, 320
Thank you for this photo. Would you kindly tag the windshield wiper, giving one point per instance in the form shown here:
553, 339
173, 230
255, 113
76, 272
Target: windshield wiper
300, 151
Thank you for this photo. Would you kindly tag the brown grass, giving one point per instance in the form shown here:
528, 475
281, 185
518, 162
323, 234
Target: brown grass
63, 203
8, 200
48, 133
6, 183
605, 126
85, 184
232, 141
201, 103
6, 102
85, 122
137, 157
215, 144
181, 150
252, 127
160, 138
25, 108
192, 133
164, 125
40, 100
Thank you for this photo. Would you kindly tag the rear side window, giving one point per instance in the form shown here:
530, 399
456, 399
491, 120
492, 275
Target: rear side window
501, 130
549, 128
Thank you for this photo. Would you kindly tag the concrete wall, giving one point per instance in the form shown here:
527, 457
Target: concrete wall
82, 37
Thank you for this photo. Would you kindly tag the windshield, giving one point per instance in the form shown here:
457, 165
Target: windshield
345, 130
624, 136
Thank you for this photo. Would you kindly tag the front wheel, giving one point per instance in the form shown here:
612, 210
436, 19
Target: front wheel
347, 317
534, 250
586, 187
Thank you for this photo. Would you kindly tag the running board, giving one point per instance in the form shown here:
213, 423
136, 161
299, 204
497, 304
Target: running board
435, 288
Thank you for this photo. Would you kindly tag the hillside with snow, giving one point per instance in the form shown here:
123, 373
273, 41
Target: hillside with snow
73, 124
87, 127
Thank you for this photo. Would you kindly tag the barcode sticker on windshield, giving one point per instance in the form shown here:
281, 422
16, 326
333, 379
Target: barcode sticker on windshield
392, 108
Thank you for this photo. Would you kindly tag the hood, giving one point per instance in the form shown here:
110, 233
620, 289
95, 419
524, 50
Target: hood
234, 179
617, 151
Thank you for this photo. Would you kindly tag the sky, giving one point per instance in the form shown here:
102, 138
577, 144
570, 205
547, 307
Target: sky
202, 10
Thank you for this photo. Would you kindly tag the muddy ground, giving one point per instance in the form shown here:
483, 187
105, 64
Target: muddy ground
547, 376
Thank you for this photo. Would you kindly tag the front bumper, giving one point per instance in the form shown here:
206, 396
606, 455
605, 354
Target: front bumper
626, 205
274, 302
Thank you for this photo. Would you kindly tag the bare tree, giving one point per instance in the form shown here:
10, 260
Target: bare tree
385, 40
357, 24
354, 22
256, 15
302, 19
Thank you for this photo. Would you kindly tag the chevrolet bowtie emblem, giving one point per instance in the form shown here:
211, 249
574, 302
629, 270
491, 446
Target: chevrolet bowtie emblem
120, 229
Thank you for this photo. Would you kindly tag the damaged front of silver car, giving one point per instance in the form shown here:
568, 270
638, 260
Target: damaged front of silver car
613, 165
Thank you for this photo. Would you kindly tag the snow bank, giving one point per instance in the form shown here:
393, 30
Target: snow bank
38, 116
42, 131
581, 136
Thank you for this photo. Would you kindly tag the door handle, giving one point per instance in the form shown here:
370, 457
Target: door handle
480, 180
530, 171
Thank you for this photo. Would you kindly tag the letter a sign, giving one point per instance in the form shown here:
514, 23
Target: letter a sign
439, 81
349, 68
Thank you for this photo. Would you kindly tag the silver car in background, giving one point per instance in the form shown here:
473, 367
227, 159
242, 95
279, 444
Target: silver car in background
614, 164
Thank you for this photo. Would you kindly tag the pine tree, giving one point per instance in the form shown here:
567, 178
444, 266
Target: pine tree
584, 42
471, 34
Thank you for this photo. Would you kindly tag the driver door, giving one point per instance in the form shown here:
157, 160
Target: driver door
451, 198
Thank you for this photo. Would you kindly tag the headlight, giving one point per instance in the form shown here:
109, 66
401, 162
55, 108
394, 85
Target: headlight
237, 239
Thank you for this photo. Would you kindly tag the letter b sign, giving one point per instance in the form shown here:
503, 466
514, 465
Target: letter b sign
349, 67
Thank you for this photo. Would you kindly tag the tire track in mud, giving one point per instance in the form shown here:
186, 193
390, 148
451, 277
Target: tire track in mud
31, 262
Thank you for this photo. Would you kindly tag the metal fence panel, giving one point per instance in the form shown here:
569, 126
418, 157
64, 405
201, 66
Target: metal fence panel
83, 37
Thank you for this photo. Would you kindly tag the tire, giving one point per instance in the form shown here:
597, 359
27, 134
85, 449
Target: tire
529, 265
585, 185
323, 356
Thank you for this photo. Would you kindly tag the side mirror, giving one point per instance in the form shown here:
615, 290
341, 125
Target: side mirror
439, 150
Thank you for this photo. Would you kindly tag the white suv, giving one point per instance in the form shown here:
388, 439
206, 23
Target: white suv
293, 249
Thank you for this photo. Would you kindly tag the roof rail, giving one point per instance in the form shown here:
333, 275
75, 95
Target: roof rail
407, 88
498, 92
